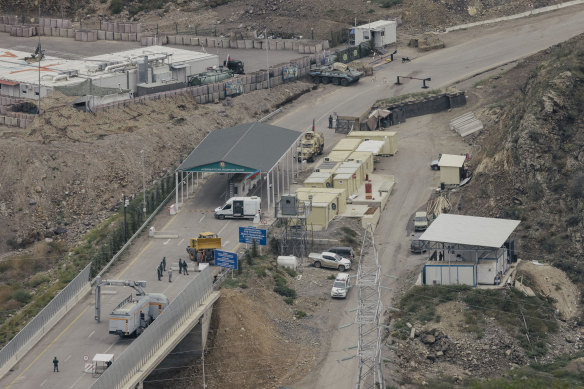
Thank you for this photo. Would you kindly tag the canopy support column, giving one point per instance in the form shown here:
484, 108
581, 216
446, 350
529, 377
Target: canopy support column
268, 187
176, 189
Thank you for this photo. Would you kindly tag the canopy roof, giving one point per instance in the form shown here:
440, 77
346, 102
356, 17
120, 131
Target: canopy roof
449, 160
470, 230
103, 358
245, 148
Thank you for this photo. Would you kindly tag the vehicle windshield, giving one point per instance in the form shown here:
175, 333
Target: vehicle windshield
339, 284
307, 145
336, 257
420, 219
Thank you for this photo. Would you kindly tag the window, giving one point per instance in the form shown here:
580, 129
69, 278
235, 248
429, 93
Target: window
366, 35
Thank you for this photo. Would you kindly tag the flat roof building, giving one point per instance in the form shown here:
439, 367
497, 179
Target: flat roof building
381, 33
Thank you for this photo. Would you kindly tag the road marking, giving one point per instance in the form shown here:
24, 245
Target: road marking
179, 243
112, 345
119, 276
92, 332
75, 383
227, 242
222, 228
44, 382
46, 348
165, 243
68, 357
202, 217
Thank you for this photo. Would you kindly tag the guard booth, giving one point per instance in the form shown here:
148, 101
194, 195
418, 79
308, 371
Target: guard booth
101, 362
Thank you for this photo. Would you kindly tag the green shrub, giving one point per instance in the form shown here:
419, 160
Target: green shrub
285, 291
289, 300
261, 272
116, 6
299, 314
291, 272
331, 277
22, 296
38, 279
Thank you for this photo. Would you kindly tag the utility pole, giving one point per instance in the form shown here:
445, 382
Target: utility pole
125, 228
268, 57
143, 183
40, 54
203, 358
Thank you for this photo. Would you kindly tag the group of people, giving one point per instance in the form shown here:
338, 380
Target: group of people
182, 267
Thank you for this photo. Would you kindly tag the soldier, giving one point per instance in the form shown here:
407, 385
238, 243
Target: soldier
330, 121
55, 365
180, 267
169, 275
159, 272
163, 263
184, 264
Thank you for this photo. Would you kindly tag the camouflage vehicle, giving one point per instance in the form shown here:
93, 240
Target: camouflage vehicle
312, 145
338, 74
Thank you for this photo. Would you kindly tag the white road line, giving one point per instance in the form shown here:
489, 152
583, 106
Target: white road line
168, 240
227, 242
112, 345
92, 332
202, 217
222, 228
43, 383
75, 383
68, 357
179, 243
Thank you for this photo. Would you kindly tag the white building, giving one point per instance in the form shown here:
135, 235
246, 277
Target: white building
468, 250
381, 33
116, 75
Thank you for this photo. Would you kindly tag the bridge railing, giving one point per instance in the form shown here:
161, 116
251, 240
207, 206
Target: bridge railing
133, 358
44, 320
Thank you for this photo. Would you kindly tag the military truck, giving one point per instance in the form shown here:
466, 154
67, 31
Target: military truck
337, 73
202, 248
312, 145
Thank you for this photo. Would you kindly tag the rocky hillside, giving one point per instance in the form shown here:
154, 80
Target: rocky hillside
531, 164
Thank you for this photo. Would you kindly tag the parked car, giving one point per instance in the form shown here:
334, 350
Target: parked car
420, 221
341, 286
435, 164
330, 260
345, 252
416, 246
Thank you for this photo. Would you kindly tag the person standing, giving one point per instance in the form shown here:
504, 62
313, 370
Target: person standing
330, 121
55, 365
163, 263
180, 267
184, 264
159, 273
169, 275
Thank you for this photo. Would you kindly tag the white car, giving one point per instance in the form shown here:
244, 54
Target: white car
341, 286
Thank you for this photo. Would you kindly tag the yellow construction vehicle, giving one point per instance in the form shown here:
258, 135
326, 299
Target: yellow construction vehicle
201, 249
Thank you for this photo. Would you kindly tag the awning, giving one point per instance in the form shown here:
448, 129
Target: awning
8, 82
103, 358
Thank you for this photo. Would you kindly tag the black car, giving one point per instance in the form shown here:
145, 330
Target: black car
345, 252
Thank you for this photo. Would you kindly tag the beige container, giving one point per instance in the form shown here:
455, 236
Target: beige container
346, 182
327, 166
319, 180
366, 157
334, 196
388, 137
358, 167
338, 155
350, 144
451, 167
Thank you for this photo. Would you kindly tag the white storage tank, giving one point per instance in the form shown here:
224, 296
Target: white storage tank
288, 261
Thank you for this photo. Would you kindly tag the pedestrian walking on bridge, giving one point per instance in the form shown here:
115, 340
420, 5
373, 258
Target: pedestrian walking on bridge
169, 275
163, 263
55, 365
184, 264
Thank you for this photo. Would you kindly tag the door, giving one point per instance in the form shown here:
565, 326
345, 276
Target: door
328, 261
238, 208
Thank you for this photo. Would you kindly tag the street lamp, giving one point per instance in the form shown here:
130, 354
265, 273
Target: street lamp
125, 204
143, 183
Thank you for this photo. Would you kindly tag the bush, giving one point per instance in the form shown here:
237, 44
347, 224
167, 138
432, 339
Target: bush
22, 296
261, 272
291, 272
116, 6
38, 279
299, 314
289, 300
285, 291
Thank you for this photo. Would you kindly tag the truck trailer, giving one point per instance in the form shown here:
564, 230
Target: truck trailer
135, 313
239, 207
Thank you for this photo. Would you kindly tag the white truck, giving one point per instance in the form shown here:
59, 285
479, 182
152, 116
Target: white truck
341, 286
135, 313
330, 260
239, 207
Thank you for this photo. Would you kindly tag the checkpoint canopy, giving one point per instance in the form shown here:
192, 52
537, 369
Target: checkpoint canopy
246, 148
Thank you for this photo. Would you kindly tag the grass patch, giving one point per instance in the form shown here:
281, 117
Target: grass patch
387, 3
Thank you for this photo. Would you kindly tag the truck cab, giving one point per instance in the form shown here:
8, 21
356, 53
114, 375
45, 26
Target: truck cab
420, 221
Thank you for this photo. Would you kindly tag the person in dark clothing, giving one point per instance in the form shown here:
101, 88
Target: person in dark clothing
185, 267
55, 365
441, 256
159, 272
180, 266
330, 121
163, 263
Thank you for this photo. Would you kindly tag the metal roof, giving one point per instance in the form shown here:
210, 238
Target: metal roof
470, 230
377, 24
449, 160
253, 146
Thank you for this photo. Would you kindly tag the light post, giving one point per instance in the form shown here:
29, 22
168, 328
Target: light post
143, 183
268, 57
124, 204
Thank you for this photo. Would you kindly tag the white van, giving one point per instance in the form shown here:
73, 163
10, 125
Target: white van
239, 207
341, 286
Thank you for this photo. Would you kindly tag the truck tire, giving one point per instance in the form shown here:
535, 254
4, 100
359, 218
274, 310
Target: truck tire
344, 82
317, 264
221, 217
316, 79
325, 80
311, 159
336, 81
341, 268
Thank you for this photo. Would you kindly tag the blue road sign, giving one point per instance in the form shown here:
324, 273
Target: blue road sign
248, 234
226, 259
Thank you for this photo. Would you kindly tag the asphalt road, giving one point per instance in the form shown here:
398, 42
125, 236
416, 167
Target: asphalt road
78, 334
